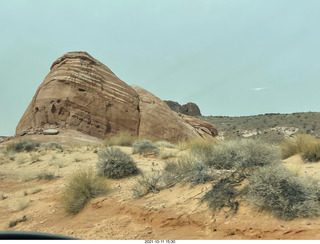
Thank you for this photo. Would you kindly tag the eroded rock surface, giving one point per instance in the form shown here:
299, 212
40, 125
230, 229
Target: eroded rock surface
158, 121
82, 94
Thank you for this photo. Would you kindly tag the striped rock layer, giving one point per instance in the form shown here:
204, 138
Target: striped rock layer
82, 94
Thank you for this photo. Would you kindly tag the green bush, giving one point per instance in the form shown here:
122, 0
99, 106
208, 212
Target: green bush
81, 188
22, 146
114, 163
145, 147
275, 189
243, 154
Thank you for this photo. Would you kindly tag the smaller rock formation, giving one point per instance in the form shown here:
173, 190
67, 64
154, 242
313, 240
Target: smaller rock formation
204, 129
190, 108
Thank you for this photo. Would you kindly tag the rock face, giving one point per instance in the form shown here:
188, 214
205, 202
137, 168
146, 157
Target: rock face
158, 121
204, 129
191, 109
82, 94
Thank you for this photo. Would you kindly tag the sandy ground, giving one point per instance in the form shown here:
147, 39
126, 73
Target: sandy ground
175, 213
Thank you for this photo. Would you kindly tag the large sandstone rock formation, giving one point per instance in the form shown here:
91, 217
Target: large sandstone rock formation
82, 94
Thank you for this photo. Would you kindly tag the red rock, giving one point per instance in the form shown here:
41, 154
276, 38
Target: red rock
82, 94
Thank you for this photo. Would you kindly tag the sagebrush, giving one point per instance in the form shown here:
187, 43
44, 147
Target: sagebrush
116, 164
145, 147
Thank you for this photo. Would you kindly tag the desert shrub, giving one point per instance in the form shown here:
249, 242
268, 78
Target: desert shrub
81, 187
17, 221
45, 175
114, 163
275, 189
51, 145
122, 138
223, 195
243, 154
202, 150
312, 153
186, 169
22, 146
164, 144
145, 147
147, 183
297, 144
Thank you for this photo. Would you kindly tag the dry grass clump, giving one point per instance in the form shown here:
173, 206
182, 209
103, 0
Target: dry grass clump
167, 153
188, 144
165, 144
275, 189
299, 143
122, 138
145, 147
81, 188
312, 153
19, 205
116, 164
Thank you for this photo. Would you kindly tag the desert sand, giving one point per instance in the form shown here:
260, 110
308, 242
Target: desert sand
175, 213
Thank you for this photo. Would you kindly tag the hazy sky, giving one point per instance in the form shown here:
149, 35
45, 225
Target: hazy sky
231, 57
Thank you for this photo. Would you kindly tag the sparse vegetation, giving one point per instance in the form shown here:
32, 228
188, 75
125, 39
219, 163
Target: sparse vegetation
116, 164
122, 138
81, 187
22, 146
52, 145
275, 189
243, 154
186, 169
20, 204
45, 175
312, 153
164, 144
147, 183
145, 147
17, 221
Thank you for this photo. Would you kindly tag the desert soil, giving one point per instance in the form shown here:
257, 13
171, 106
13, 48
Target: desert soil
175, 213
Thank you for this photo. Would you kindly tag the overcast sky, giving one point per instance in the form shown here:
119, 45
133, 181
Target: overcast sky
231, 57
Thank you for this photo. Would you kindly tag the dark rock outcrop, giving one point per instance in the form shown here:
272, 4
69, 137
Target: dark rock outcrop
190, 108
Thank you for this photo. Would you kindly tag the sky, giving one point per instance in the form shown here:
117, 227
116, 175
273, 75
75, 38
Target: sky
230, 57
